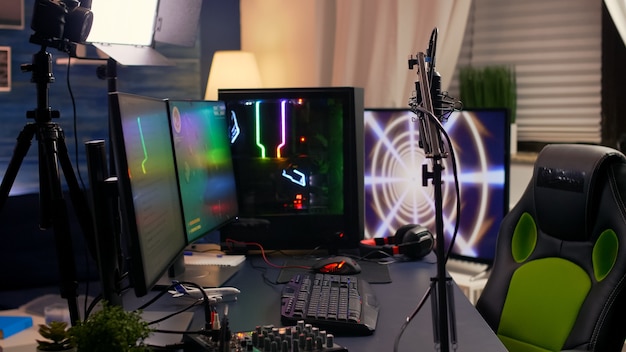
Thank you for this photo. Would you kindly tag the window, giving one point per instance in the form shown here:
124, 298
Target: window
555, 47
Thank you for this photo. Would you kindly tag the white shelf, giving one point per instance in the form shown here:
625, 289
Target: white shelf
471, 285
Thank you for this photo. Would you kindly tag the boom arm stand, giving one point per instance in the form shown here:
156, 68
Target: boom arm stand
444, 330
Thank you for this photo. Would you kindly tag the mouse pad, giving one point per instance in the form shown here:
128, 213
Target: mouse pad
372, 272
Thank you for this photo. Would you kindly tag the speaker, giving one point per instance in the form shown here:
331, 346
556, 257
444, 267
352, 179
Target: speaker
413, 241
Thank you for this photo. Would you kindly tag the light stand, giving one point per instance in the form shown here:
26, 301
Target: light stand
444, 325
52, 151
104, 196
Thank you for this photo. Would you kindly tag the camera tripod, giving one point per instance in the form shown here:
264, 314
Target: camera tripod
52, 153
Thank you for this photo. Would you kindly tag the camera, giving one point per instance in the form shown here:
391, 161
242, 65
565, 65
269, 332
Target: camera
60, 21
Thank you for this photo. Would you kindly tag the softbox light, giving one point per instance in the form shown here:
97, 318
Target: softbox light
128, 30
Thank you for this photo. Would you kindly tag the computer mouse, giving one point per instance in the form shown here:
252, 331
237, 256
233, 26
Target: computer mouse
340, 265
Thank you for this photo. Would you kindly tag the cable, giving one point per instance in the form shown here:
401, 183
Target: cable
260, 246
410, 318
180, 311
457, 190
75, 124
74, 120
205, 301
430, 53
159, 295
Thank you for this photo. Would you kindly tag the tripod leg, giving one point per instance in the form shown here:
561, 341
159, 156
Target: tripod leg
50, 187
46, 183
435, 311
21, 149
79, 201
451, 315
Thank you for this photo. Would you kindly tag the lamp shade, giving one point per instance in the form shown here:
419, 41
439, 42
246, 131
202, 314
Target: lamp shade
232, 69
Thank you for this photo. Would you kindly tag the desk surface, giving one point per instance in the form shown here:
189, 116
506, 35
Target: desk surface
259, 304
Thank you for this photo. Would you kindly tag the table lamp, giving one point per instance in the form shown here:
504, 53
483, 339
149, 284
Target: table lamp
232, 69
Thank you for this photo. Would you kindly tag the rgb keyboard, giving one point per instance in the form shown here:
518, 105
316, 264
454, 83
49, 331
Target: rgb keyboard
341, 304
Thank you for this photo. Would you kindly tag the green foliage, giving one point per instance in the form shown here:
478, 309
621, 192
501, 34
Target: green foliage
111, 330
56, 335
489, 87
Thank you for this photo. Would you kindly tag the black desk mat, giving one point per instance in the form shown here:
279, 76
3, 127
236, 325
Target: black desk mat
372, 272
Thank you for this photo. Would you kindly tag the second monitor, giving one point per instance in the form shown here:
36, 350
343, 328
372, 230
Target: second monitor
201, 145
205, 169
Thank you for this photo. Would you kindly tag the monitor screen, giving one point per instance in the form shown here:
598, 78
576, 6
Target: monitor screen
394, 194
205, 170
149, 198
297, 154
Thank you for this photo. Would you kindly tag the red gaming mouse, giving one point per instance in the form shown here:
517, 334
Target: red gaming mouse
340, 265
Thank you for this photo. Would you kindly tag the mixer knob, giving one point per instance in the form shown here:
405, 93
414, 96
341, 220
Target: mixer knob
309, 344
330, 340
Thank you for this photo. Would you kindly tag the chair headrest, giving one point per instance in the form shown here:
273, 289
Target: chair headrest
565, 178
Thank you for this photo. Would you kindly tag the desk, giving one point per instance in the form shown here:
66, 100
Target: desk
259, 304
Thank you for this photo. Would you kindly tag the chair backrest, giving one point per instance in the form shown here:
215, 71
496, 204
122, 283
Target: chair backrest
558, 277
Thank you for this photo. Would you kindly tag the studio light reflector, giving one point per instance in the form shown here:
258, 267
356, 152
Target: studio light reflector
123, 22
127, 30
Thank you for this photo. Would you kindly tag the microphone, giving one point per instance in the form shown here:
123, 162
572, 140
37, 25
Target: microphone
437, 97
443, 104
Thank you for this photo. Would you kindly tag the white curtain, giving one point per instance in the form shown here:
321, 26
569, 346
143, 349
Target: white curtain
362, 43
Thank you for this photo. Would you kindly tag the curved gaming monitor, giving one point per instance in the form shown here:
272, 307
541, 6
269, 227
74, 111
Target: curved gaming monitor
395, 196
298, 160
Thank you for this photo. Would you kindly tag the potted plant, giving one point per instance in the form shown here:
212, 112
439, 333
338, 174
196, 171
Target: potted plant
490, 87
57, 337
111, 329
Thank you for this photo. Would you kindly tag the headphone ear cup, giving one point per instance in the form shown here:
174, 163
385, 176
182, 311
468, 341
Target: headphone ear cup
413, 241
416, 242
402, 231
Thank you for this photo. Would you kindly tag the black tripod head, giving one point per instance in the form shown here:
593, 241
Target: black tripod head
57, 24
42, 76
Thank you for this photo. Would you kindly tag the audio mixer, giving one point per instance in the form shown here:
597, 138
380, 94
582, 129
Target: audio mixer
298, 338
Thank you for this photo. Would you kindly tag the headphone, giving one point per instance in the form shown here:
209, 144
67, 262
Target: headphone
413, 241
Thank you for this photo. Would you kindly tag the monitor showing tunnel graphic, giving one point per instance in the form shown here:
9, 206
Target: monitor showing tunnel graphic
394, 194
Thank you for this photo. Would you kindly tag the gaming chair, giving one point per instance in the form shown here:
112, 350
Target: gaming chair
559, 273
